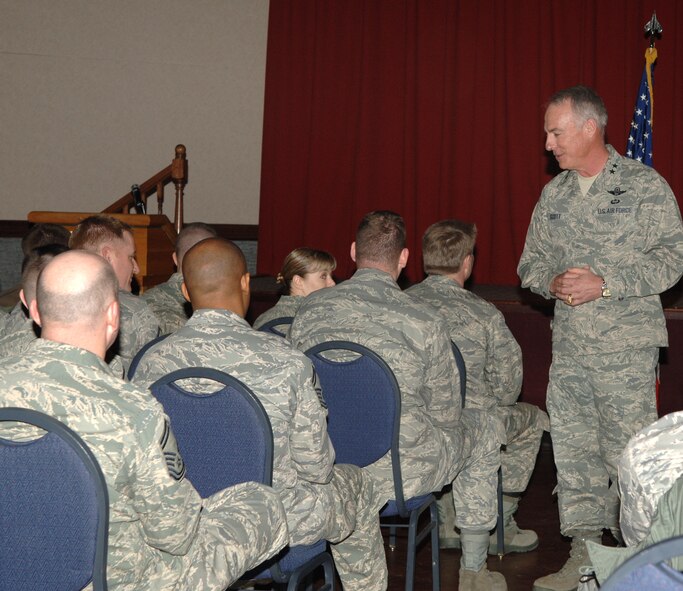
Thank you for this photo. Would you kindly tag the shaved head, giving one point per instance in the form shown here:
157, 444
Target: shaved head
214, 272
189, 236
75, 288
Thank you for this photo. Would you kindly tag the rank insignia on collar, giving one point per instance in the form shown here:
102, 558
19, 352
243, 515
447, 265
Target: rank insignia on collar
614, 168
616, 191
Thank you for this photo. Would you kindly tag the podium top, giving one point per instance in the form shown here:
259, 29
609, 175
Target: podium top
73, 218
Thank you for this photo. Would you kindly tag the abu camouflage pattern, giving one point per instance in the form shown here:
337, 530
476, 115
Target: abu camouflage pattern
438, 442
492, 356
162, 535
17, 331
321, 500
168, 304
596, 404
137, 326
650, 465
493, 359
286, 306
627, 229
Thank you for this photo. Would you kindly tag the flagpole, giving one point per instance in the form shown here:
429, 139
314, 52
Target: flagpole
653, 29
639, 143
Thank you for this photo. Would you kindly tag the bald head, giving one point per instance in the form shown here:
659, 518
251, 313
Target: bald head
188, 237
215, 276
74, 289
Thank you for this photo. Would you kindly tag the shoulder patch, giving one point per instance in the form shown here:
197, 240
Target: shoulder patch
318, 388
169, 447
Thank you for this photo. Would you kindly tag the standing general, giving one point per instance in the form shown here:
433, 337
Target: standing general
605, 240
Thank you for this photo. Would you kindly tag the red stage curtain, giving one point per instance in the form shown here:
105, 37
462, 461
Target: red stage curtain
434, 109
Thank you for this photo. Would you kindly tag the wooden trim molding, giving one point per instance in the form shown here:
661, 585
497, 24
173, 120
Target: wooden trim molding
18, 228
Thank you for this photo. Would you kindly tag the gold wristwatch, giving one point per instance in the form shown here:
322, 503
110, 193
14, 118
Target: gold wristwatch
606, 293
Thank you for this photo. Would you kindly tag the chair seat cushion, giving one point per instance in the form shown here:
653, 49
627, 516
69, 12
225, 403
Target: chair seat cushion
391, 508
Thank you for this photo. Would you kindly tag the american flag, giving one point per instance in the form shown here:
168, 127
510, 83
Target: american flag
639, 144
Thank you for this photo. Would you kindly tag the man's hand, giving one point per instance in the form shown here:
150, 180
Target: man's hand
576, 286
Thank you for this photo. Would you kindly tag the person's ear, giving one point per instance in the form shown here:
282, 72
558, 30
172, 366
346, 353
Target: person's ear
175, 262
112, 317
186, 294
590, 126
403, 258
469, 265
106, 254
245, 282
22, 297
33, 312
353, 251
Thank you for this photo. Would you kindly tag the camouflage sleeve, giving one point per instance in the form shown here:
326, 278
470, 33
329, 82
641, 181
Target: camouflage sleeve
441, 384
537, 266
310, 445
503, 371
149, 327
660, 263
168, 505
649, 466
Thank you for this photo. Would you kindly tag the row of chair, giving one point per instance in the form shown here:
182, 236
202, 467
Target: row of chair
225, 438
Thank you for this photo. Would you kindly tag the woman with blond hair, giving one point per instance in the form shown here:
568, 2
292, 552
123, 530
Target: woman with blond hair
304, 271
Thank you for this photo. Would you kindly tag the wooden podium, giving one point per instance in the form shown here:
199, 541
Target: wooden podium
154, 236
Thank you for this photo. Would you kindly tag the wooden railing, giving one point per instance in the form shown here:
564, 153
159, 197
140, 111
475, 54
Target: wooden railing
175, 173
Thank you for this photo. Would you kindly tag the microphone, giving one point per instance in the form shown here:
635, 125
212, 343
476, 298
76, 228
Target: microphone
139, 203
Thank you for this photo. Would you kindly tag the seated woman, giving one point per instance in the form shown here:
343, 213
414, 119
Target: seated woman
304, 271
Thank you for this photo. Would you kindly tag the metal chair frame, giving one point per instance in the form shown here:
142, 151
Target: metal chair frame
271, 325
398, 506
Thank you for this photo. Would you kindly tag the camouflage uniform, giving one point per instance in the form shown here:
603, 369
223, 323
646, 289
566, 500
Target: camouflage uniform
648, 468
169, 305
138, 326
286, 306
494, 372
627, 229
439, 443
17, 331
162, 535
322, 501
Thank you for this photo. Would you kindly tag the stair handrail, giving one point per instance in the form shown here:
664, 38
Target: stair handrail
176, 172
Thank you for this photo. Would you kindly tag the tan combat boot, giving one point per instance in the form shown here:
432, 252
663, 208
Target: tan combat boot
481, 580
516, 540
567, 578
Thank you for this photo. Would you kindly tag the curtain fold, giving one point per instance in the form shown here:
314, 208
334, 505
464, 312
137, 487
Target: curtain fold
434, 109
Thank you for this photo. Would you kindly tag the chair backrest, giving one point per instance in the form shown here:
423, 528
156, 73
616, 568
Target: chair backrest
54, 509
648, 570
462, 370
364, 405
224, 437
276, 325
138, 356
